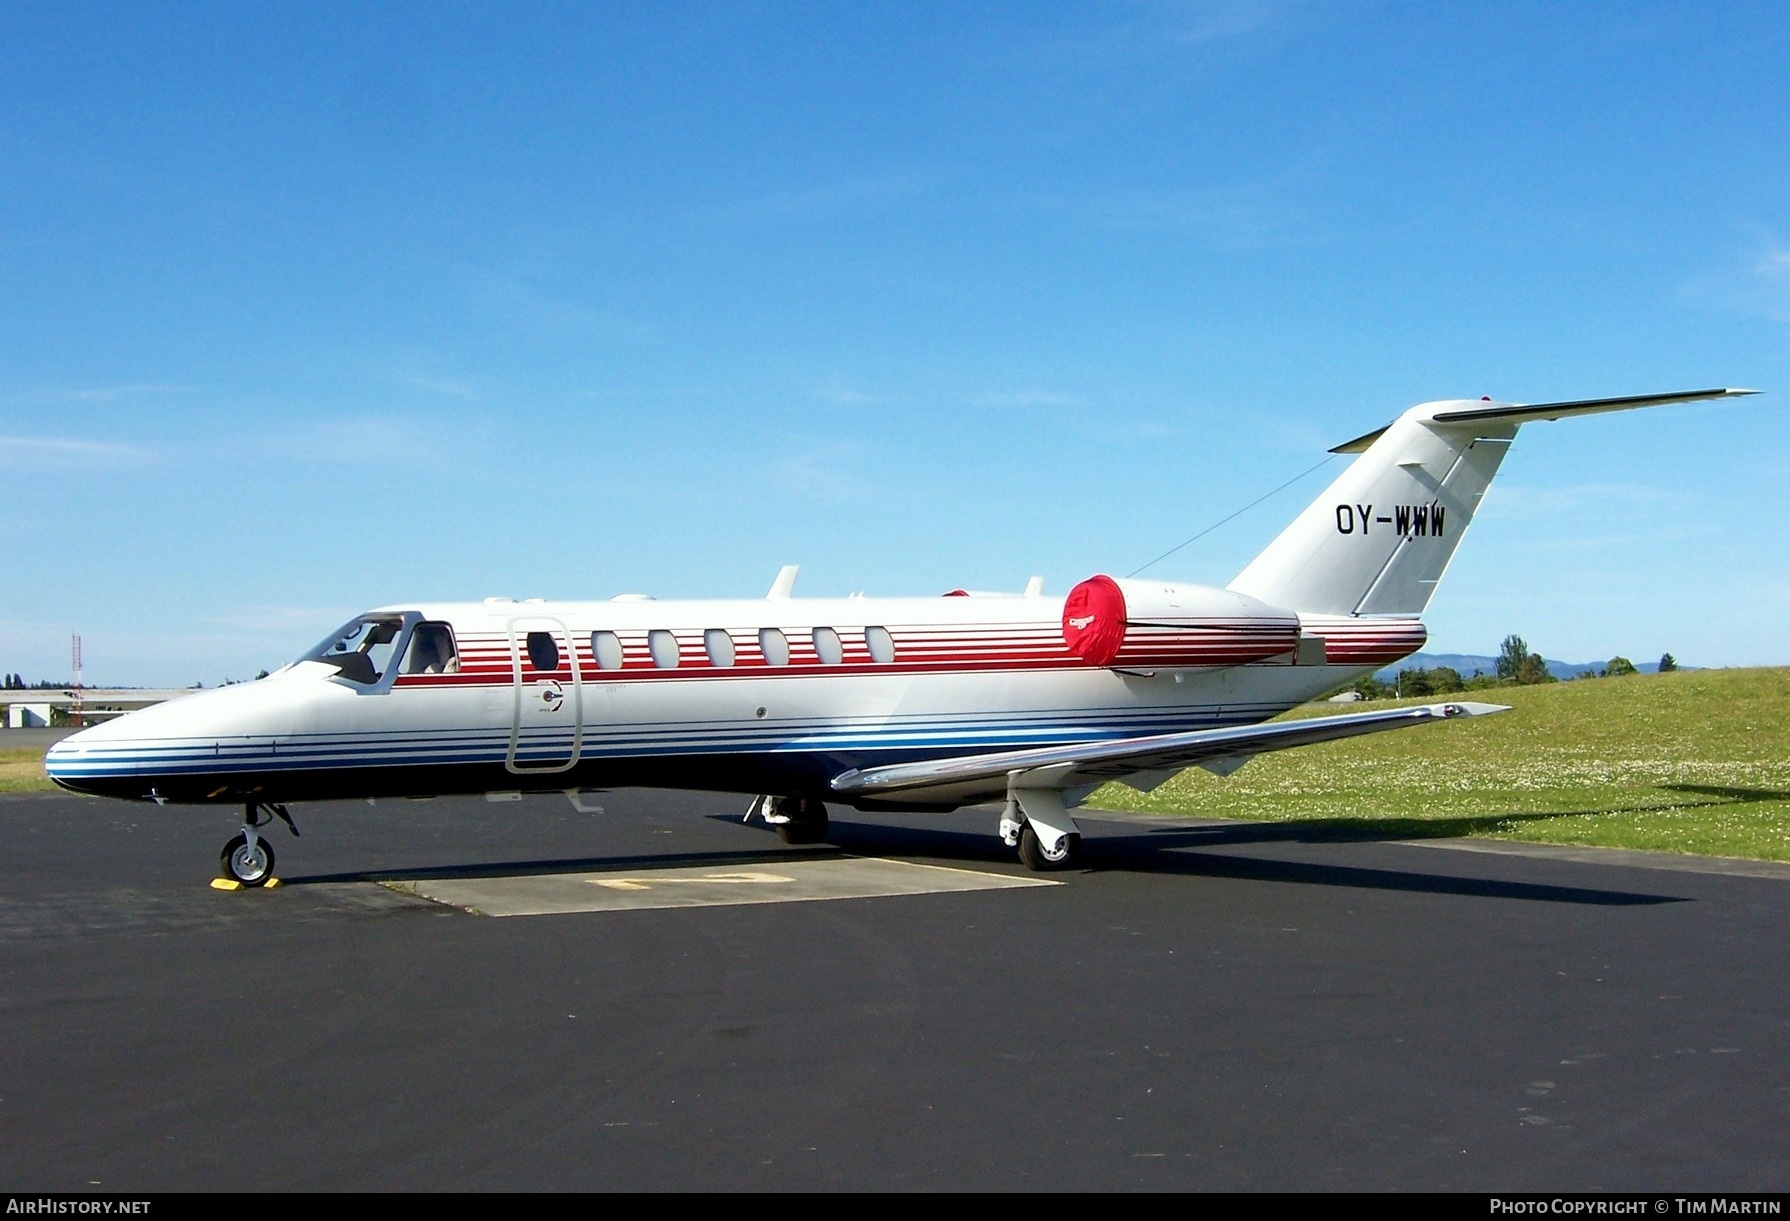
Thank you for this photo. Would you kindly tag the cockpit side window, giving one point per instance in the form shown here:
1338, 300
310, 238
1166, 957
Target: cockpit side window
363, 650
432, 650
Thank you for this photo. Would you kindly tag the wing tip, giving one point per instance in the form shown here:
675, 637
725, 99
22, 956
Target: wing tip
1456, 708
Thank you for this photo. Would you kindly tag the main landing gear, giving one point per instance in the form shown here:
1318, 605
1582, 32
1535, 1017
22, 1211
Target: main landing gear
1037, 823
799, 820
248, 858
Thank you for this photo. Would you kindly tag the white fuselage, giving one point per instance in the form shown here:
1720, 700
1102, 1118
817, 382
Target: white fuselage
774, 695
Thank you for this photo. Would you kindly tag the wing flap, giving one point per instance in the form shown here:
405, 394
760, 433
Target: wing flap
975, 777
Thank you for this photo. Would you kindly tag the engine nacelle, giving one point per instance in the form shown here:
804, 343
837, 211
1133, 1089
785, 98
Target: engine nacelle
1124, 622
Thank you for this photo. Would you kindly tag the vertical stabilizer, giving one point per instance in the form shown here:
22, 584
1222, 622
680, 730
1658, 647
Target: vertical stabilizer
1379, 538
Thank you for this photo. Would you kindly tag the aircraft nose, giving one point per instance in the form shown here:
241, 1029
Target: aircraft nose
89, 762
62, 761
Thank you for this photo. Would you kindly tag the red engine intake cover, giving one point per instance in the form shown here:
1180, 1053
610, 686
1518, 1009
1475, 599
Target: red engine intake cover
1094, 620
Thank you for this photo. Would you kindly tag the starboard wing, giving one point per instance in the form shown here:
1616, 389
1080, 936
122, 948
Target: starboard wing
980, 777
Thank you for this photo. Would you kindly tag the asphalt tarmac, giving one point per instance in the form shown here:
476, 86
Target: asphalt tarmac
1222, 1006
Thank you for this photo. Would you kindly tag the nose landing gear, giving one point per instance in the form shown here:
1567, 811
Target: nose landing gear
247, 859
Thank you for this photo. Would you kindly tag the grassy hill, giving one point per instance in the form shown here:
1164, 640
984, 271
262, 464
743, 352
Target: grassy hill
1687, 762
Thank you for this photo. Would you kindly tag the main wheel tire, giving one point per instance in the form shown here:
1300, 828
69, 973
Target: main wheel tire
1034, 857
807, 821
251, 868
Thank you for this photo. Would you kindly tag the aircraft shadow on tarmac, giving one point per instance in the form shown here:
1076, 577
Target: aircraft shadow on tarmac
1164, 850
1135, 851
1155, 850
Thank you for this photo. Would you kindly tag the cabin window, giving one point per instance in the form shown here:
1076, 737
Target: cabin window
363, 650
663, 646
719, 646
827, 646
432, 650
543, 651
606, 647
881, 644
774, 646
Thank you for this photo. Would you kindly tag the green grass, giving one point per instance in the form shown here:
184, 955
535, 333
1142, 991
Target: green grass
1693, 762
22, 771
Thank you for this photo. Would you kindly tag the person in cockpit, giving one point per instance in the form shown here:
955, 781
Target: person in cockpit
432, 650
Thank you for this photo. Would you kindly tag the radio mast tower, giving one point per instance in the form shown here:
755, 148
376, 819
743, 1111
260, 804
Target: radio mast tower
76, 716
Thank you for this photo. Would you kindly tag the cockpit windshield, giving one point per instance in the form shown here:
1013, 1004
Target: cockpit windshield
362, 651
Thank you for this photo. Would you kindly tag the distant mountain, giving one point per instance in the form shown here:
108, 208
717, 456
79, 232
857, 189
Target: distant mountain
1466, 663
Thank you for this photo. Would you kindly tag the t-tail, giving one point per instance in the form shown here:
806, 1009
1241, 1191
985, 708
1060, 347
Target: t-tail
1380, 537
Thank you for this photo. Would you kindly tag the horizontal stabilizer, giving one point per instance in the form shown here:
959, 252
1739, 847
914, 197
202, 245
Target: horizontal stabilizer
977, 777
1523, 413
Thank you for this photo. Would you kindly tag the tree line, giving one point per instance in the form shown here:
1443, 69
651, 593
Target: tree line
1516, 666
16, 682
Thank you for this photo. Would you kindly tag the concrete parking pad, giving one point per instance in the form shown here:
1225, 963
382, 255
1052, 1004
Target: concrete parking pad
795, 881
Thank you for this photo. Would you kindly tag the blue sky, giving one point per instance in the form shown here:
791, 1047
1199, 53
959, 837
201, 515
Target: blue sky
307, 309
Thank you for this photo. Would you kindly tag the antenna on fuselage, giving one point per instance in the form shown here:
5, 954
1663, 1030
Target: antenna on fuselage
785, 584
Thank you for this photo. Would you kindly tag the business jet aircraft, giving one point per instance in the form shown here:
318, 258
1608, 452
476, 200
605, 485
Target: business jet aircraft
879, 703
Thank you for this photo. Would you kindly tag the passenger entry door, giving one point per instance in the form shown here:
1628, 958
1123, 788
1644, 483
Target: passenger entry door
547, 729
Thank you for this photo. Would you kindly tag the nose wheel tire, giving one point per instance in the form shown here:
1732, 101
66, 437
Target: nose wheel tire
250, 866
1034, 857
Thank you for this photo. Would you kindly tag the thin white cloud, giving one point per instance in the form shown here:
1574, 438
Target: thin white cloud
1524, 501
1154, 31
69, 451
1127, 430
1244, 217
281, 621
1756, 284
381, 440
445, 386
522, 305
846, 396
1000, 400
816, 201
825, 470
95, 394
1771, 275
1024, 398
652, 393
